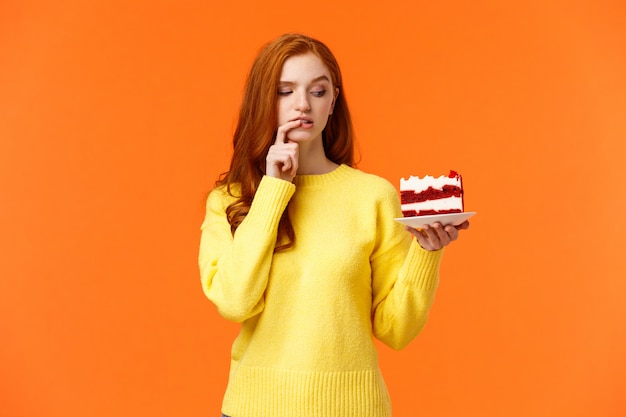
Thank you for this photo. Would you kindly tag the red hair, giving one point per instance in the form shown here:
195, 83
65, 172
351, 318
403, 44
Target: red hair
258, 123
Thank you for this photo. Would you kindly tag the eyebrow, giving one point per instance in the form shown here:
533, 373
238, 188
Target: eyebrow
314, 80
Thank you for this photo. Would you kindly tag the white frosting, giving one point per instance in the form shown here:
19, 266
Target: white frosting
418, 184
449, 203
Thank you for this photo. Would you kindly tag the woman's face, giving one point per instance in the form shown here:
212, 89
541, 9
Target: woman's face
305, 92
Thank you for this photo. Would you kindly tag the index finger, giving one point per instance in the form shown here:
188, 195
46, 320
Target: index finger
463, 225
281, 133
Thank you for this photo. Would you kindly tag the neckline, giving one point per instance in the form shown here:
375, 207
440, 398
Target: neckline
312, 180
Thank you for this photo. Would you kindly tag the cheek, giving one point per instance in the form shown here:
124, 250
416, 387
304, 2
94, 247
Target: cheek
326, 106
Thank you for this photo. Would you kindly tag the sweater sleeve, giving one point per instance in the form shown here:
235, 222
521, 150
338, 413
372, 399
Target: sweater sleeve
404, 278
234, 270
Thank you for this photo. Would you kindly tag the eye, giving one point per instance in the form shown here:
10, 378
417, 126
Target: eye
318, 93
284, 92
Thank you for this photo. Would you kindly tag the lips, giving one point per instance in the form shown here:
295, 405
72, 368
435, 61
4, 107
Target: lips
305, 120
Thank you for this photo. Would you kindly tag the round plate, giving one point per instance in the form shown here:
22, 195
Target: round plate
418, 222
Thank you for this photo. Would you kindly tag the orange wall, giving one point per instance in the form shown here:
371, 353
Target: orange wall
115, 120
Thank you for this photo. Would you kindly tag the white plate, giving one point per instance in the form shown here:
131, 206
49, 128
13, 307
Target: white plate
418, 222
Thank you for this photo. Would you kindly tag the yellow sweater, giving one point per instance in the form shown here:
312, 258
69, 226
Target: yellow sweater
309, 314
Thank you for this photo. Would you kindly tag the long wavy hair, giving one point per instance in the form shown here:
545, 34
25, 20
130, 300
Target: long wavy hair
258, 123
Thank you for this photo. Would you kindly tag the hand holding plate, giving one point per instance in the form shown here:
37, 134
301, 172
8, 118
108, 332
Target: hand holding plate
436, 237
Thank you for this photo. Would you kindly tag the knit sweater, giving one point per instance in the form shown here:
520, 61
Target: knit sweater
309, 314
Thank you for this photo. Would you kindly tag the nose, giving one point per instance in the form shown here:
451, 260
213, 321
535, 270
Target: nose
302, 102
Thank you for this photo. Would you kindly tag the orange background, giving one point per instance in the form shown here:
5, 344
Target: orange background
116, 118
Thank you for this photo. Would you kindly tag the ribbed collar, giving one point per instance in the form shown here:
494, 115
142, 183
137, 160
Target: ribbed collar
318, 180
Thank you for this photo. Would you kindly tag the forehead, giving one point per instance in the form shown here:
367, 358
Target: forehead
303, 68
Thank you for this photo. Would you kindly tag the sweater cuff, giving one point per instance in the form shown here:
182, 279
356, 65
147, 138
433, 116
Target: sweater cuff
422, 266
270, 201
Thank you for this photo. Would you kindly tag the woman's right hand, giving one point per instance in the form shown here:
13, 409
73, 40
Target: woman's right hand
282, 158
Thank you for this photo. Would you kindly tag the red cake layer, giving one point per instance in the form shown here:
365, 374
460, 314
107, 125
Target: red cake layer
409, 196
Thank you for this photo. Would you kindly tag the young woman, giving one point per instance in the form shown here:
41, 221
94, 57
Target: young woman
302, 249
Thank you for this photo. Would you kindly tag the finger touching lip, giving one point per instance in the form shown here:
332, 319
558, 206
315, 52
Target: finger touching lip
304, 125
303, 120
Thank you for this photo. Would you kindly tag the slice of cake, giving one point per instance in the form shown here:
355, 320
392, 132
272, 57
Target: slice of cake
430, 195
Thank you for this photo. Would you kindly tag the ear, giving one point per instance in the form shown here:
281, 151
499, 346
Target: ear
332, 106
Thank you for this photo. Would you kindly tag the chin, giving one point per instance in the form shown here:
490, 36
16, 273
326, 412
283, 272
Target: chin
299, 136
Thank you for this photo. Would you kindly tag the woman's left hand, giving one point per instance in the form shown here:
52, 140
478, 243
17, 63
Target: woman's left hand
437, 236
